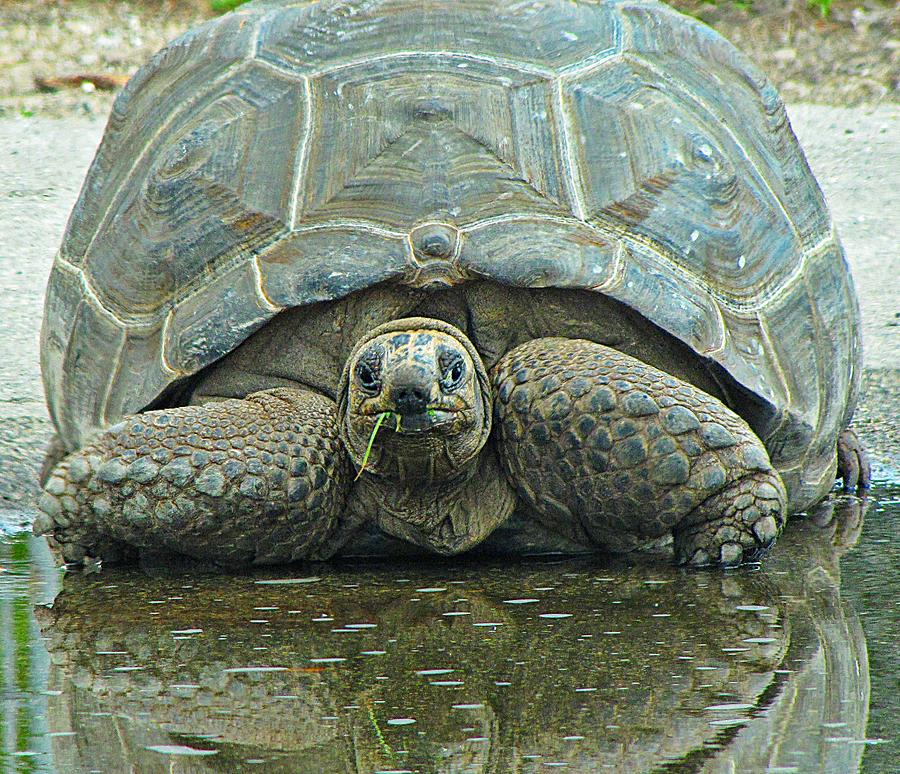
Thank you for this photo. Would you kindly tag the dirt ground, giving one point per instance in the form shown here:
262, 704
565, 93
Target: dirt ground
850, 58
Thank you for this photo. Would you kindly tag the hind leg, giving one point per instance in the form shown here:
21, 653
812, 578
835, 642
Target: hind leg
614, 453
256, 481
854, 468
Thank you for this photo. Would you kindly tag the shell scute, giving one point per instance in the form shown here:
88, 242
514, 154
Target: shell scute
664, 169
325, 36
543, 253
207, 325
65, 292
213, 189
140, 370
174, 76
86, 388
321, 265
426, 141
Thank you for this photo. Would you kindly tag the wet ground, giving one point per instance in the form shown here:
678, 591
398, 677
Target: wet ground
584, 665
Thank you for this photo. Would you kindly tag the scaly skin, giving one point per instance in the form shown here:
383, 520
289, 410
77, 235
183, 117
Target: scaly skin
607, 450
257, 481
615, 453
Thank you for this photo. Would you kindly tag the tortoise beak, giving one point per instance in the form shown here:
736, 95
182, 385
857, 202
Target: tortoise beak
422, 422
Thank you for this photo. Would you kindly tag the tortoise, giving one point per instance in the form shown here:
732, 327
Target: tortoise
393, 277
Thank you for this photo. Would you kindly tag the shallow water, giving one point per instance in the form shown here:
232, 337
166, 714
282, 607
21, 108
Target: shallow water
490, 667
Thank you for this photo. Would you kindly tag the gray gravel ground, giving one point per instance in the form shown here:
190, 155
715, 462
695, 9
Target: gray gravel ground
854, 152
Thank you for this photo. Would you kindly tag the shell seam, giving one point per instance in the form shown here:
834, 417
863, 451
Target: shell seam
774, 359
617, 273
599, 58
260, 290
163, 345
302, 157
360, 225
89, 292
113, 378
510, 64
573, 177
644, 245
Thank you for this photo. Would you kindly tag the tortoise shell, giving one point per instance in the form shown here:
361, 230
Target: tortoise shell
295, 152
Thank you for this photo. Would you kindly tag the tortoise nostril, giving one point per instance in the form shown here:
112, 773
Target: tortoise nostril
410, 400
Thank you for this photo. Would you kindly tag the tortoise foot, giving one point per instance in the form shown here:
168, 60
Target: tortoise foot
257, 481
735, 526
614, 453
854, 468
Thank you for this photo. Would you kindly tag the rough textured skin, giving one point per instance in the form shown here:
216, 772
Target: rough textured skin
447, 518
615, 453
262, 480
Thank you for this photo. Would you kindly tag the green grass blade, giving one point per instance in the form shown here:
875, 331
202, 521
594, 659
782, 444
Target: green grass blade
381, 418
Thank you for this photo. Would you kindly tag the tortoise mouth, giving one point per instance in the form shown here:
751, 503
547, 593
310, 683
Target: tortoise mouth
416, 423
423, 422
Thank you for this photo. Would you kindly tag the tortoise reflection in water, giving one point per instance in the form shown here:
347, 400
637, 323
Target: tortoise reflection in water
571, 252
631, 668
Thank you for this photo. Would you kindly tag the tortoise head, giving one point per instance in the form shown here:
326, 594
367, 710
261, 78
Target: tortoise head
414, 401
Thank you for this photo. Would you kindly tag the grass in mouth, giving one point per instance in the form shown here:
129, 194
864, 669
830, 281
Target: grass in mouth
378, 422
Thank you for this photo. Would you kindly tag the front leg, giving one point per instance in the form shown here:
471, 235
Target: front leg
257, 481
615, 453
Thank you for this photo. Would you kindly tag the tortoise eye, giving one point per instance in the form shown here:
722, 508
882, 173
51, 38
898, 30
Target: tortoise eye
368, 372
453, 369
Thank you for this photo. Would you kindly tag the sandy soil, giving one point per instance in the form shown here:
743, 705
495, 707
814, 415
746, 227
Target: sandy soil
850, 58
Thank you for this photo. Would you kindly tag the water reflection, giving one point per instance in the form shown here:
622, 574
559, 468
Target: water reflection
481, 668
27, 578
